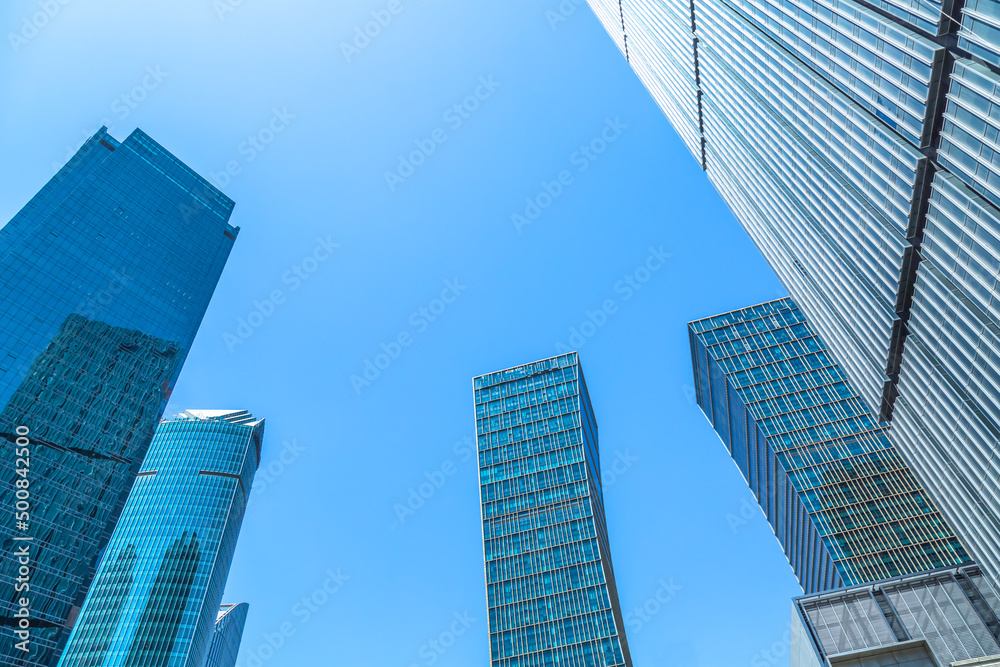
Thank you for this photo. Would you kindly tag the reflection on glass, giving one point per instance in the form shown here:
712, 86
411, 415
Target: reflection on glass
104, 278
181, 522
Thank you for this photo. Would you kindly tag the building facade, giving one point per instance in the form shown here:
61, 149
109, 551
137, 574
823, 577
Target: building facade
843, 504
550, 585
105, 276
857, 144
155, 599
228, 635
943, 618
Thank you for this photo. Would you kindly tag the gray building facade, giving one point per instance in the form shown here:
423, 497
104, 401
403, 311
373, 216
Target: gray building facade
943, 618
857, 144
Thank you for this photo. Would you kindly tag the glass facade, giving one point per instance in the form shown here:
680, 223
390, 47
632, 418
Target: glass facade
227, 636
155, 599
858, 144
104, 278
980, 31
550, 585
843, 504
936, 618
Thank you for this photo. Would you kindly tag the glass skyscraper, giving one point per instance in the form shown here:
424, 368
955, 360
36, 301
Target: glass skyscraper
155, 599
228, 635
550, 586
842, 502
858, 143
105, 276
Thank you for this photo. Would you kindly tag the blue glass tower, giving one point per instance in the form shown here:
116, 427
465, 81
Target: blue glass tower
842, 502
156, 595
105, 276
228, 635
550, 586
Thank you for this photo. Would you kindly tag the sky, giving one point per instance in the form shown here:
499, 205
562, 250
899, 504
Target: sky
374, 211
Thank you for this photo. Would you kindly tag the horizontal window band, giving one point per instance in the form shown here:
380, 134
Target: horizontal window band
216, 473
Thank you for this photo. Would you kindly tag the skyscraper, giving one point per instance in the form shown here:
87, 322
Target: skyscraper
550, 585
155, 599
843, 504
944, 617
227, 636
857, 144
105, 276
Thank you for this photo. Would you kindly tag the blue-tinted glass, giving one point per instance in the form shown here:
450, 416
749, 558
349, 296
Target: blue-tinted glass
836, 488
228, 634
104, 278
549, 580
158, 588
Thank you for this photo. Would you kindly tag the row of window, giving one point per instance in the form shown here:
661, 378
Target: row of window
519, 486
545, 583
535, 562
575, 630
518, 543
601, 653
534, 499
549, 608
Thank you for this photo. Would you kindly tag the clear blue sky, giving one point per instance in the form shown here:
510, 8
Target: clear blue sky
201, 84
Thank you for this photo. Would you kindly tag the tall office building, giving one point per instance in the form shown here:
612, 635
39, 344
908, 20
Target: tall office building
550, 586
104, 278
857, 144
155, 599
843, 504
228, 635
947, 617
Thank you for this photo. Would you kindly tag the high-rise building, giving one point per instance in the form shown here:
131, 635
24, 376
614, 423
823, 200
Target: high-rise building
933, 619
105, 276
228, 635
858, 143
550, 586
155, 598
843, 504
